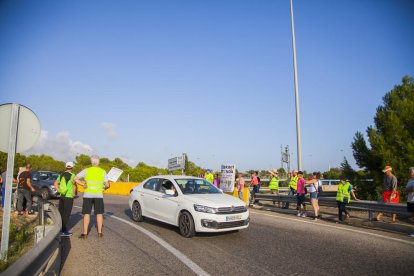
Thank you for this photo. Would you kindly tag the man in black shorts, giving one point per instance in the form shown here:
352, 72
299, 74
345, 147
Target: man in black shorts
96, 182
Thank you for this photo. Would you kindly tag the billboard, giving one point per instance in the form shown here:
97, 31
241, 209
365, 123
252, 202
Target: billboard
228, 177
176, 163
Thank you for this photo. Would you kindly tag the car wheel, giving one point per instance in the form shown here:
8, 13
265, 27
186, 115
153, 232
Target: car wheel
186, 225
44, 192
137, 212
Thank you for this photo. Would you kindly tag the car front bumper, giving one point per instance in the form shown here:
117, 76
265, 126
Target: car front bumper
205, 222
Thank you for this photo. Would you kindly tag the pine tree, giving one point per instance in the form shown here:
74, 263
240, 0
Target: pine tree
391, 139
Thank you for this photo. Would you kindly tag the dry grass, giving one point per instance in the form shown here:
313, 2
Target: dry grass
21, 237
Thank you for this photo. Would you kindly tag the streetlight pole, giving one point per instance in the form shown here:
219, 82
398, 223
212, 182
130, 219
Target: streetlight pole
299, 145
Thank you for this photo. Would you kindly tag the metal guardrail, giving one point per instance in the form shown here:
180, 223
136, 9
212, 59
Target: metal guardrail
44, 257
365, 205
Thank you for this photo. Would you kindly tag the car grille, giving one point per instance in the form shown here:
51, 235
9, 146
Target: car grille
231, 224
232, 210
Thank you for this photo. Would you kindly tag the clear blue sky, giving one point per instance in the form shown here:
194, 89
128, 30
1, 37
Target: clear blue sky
147, 80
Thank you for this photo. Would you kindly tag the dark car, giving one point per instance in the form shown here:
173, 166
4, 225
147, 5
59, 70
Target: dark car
42, 182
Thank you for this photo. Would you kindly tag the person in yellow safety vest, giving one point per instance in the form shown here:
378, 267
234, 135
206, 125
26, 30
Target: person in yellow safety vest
293, 183
343, 197
96, 182
209, 176
274, 184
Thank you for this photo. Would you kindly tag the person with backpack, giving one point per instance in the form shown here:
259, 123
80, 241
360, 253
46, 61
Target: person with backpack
65, 185
315, 188
300, 194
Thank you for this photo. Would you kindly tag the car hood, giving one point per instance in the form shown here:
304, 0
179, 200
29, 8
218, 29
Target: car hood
215, 200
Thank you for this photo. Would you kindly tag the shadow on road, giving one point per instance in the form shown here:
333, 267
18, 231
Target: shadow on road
65, 244
160, 224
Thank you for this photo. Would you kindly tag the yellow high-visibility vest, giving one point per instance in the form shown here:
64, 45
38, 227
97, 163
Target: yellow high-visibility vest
343, 192
274, 183
293, 183
94, 180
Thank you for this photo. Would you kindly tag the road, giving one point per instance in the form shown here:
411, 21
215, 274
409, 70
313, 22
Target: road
274, 244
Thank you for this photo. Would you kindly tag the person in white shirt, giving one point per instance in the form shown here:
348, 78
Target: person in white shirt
313, 189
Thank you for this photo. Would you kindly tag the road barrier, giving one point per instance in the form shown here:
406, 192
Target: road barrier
364, 205
44, 257
116, 188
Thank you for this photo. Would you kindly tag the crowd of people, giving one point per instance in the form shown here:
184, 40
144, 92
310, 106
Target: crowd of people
94, 180
300, 187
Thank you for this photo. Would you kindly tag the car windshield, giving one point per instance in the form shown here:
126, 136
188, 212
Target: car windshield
196, 186
48, 175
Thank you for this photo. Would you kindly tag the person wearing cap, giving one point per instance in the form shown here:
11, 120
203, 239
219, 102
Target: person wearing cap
65, 185
410, 196
274, 183
292, 186
96, 181
390, 193
209, 176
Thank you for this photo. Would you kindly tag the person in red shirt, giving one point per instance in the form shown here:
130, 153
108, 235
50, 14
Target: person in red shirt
300, 194
255, 183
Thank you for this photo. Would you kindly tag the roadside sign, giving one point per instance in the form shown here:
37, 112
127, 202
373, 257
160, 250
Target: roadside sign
28, 128
227, 179
114, 174
176, 163
20, 131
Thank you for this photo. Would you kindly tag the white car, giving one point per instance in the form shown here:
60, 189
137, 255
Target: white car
191, 203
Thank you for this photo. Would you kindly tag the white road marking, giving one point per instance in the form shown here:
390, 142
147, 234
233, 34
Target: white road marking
183, 258
337, 227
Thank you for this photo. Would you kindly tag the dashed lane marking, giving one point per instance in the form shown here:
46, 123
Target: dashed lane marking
336, 227
183, 258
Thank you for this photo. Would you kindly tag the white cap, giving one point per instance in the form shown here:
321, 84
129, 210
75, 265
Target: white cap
69, 165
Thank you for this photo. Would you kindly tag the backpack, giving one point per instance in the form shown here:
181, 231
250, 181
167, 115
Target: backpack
63, 185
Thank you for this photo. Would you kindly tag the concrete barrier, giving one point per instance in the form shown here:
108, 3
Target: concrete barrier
116, 188
246, 194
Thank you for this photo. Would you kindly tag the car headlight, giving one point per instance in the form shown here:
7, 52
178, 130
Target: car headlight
205, 209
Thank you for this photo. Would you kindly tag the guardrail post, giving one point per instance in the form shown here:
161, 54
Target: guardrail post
41, 213
370, 215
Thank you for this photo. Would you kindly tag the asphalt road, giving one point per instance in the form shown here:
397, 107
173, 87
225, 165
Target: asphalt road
274, 244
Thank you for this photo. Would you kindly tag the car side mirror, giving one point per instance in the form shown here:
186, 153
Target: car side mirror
170, 192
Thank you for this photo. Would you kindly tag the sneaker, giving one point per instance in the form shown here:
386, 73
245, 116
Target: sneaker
304, 215
299, 214
315, 219
411, 235
65, 234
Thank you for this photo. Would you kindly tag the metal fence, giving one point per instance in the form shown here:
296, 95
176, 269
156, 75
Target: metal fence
44, 257
365, 205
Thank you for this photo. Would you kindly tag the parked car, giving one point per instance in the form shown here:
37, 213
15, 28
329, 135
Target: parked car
42, 182
191, 203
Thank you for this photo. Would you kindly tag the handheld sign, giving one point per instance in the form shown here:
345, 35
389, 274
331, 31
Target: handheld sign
114, 174
227, 179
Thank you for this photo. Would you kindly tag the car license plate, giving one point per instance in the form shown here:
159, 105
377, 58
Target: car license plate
233, 218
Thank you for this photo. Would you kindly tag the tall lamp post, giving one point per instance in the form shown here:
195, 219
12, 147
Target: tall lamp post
299, 145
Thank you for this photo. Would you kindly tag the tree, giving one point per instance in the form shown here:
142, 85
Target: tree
333, 173
391, 138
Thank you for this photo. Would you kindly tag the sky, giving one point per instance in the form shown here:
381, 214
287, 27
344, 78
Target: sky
150, 80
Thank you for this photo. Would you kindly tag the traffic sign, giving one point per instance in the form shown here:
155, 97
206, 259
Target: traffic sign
28, 128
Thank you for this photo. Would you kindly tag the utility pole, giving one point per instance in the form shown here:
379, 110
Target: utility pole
298, 136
